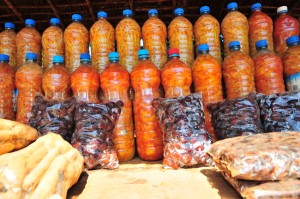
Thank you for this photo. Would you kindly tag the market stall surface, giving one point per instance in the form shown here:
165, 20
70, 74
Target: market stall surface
138, 179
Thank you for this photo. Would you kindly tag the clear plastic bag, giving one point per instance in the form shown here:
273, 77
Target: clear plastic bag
185, 138
93, 135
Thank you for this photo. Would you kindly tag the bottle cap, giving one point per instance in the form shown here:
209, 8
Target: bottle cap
102, 14
76, 17
9, 25
143, 53
234, 43
178, 11
204, 9
291, 40
261, 43
113, 56
54, 21
127, 12
173, 52
29, 22
4, 57
85, 57
282, 9
256, 6
152, 11
232, 6
58, 59
30, 56
203, 47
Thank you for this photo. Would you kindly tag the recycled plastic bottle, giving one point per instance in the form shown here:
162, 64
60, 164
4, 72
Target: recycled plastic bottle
8, 44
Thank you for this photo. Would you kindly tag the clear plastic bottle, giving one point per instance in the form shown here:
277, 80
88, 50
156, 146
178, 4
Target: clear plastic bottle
207, 78
28, 40
238, 72
8, 44
180, 34
115, 83
85, 81
128, 35
145, 80
7, 86
260, 28
291, 64
285, 26
176, 76
52, 42
235, 27
76, 38
268, 70
102, 36
29, 83
207, 31
56, 80
154, 33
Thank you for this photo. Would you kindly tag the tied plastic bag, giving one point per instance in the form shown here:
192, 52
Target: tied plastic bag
236, 117
93, 133
53, 116
262, 157
280, 112
185, 138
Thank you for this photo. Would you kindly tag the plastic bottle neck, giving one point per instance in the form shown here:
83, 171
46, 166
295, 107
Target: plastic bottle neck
100, 18
203, 52
205, 13
262, 48
57, 63
85, 62
152, 15
10, 29
31, 61
294, 44
30, 26
3, 61
54, 24
76, 20
177, 15
282, 13
144, 58
256, 10
233, 9
127, 16
235, 48
114, 61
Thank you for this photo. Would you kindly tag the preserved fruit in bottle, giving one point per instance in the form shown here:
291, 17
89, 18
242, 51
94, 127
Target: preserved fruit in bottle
76, 38
176, 76
102, 36
85, 81
207, 78
8, 44
180, 34
115, 83
128, 35
207, 31
29, 83
235, 27
28, 40
52, 42
56, 80
145, 79
238, 72
285, 26
154, 34
268, 70
7, 86
291, 64
260, 28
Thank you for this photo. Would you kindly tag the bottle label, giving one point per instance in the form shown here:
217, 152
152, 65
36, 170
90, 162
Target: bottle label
293, 82
15, 98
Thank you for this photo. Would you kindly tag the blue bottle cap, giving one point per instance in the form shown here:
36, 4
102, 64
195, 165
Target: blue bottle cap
143, 53
113, 56
85, 57
9, 25
102, 14
204, 9
203, 47
234, 43
256, 6
127, 12
292, 40
54, 21
261, 43
58, 59
4, 57
152, 11
232, 6
76, 17
178, 11
30, 56
29, 22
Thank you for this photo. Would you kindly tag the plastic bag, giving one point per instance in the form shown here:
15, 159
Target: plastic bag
185, 138
93, 135
280, 112
236, 117
53, 116
268, 156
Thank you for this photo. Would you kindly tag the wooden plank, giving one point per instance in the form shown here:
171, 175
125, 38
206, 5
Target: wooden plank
90, 7
12, 7
56, 13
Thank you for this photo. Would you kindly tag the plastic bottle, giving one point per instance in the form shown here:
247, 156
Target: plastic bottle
56, 80
29, 83
128, 35
180, 34
28, 40
235, 27
285, 26
207, 31
8, 44
207, 78
102, 36
76, 38
85, 81
154, 33
7, 79
176, 76
260, 28
52, 42
238, 72
268, 70
291, 64
145, 79
115, 82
